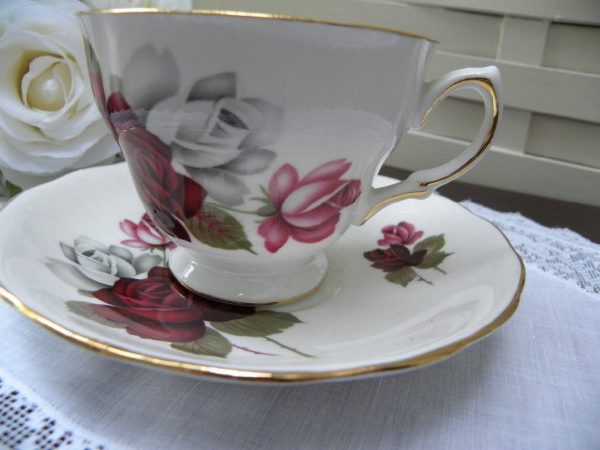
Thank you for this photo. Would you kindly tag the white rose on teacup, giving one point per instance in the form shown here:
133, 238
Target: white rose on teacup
96, 266
162, 4
217, 137
48, 120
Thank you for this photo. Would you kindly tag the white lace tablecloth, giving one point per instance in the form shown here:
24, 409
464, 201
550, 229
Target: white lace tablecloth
535, 384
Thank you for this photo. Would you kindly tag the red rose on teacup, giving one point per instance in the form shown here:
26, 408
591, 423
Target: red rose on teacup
404, 234
166, 193
158, 307
307, 209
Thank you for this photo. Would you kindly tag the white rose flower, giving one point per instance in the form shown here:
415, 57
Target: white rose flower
49, 123
161, 4
94, 265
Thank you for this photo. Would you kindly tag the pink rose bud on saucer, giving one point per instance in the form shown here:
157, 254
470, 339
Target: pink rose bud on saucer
404, 234
144, 234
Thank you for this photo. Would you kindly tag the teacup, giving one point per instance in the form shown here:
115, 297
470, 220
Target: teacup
253, 139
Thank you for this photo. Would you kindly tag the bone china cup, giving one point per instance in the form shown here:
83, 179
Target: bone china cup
252, 140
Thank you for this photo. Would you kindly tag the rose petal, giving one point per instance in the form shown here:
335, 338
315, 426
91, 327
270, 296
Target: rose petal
310, 195
135, 243
150, 77
315, 234
200, 155
164, 119
72, 276
214, 87
283, 181
83, 243
128, 227
415, 237
149, 235
69, 252
328, 171
193, 195
275, 231
121, 252
269, 131
104, 278
143, 263
111, 313
250, 161
312, 218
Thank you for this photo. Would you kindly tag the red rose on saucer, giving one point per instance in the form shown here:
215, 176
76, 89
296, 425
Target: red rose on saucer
160, 308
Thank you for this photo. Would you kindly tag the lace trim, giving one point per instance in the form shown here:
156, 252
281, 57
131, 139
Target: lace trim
26, 425
557, 251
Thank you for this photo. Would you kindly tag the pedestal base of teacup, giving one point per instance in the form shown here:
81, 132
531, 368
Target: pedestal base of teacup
258, 283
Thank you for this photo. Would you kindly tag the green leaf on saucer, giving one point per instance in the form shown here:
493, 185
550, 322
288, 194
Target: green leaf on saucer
259, 324
433, 259
431, 244
401, 276
212, 343
216, 228
84, 309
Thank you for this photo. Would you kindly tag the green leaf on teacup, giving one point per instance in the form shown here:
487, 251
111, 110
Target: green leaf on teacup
401, 276
84, 309
431, 244
260, 324
216, 228
266, 211
212, 343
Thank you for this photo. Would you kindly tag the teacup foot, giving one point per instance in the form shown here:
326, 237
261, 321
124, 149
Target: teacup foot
259, 283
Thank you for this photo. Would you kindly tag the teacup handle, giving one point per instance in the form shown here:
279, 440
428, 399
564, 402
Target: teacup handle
421, 184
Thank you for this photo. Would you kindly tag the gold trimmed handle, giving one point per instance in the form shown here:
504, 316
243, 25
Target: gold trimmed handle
486, 82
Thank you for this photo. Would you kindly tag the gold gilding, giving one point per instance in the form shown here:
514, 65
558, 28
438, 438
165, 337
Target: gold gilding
254, 15
487, 85
489, 88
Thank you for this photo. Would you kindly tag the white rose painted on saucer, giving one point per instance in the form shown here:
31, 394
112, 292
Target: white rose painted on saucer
48, 120
96, 266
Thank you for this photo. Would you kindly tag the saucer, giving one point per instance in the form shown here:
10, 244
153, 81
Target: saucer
417, 283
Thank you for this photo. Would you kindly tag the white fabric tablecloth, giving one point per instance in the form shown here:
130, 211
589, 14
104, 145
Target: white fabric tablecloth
533, 384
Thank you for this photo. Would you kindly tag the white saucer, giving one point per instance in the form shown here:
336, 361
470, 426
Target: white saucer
361, 321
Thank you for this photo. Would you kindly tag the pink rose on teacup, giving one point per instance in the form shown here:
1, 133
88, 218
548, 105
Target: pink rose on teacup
402, 234
307, 209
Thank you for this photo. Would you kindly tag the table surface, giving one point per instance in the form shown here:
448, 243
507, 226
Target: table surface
583, 219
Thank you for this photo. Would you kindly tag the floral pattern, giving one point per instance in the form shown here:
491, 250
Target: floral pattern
93, 265
402, 264
144, 234
306, 209
216, 137
139, 295
190, 151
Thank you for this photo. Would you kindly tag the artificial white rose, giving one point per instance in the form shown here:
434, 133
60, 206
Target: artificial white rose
161, 4
48, 120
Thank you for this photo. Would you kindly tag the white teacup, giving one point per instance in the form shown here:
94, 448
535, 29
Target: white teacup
253, 139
